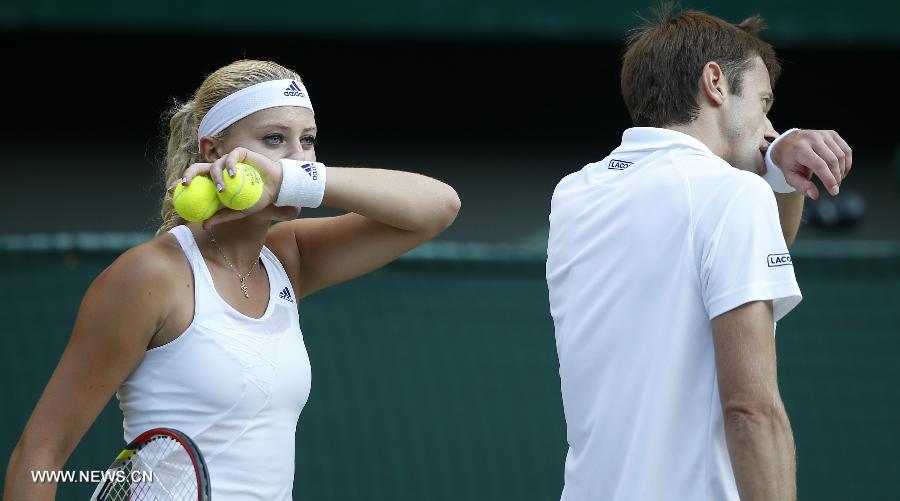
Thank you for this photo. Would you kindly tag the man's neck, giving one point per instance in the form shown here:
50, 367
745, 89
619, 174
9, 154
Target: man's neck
707, 132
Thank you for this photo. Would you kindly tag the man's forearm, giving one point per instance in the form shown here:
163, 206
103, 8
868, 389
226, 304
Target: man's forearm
790, 210
761, 446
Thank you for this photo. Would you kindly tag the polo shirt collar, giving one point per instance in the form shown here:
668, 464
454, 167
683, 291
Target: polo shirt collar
652, 138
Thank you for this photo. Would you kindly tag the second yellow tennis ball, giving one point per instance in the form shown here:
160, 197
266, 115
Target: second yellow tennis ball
243, 190
197, 201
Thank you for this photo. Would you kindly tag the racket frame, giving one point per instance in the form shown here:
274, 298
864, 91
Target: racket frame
193, 452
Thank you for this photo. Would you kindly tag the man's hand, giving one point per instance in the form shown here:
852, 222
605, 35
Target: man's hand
804, 153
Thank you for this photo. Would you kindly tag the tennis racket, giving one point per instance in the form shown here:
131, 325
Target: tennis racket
160, 464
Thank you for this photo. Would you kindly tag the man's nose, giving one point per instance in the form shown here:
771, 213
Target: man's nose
771, 134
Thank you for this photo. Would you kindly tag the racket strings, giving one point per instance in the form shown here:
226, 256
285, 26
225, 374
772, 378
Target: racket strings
160, 470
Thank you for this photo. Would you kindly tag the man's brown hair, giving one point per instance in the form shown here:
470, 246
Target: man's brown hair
665, 57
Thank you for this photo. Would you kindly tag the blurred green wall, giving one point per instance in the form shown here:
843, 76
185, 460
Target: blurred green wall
437, 378
803, 21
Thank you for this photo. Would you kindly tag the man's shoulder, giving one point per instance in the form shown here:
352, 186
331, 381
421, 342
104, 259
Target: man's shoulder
741, 197
710, 175
566, 180
746, 184
571, 180
576, 176
703, 164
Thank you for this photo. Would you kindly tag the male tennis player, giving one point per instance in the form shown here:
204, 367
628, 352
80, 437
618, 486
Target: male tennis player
667, 268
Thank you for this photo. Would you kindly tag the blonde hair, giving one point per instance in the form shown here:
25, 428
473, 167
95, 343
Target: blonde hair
184, 119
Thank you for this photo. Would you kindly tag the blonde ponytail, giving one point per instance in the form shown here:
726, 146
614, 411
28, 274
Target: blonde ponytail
181, 152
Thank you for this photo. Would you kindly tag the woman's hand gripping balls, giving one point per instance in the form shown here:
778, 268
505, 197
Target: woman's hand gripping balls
245, 192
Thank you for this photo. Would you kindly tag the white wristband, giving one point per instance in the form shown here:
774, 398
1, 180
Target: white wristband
302, 184
774, 176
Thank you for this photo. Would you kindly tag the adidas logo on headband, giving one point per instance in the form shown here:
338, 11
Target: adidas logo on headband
293, 90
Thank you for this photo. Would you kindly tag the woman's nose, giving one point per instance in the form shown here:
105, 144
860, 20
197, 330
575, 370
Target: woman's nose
296, 151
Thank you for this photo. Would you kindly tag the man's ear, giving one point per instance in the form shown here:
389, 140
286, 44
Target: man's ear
209, 150
713, 85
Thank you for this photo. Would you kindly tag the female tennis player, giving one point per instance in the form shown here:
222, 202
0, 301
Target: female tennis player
197, 329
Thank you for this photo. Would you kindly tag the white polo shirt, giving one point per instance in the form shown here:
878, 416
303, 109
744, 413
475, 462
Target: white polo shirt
646, 247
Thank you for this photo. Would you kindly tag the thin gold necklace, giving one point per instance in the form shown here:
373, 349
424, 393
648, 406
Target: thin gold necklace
244, 288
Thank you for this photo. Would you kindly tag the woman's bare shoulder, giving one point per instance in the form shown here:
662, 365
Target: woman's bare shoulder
163, 250
155, 264
132, 298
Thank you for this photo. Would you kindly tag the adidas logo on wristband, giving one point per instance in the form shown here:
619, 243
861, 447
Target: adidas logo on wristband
310, 169
302, 183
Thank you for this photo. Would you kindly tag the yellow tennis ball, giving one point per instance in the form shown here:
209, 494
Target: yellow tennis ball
197, 201
243, 190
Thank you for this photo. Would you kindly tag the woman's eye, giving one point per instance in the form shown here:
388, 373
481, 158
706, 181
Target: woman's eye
274, 139
308, 141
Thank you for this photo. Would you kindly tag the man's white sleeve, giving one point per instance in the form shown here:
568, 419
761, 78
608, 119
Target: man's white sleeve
744, 257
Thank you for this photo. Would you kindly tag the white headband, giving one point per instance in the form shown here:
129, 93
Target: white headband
250, 100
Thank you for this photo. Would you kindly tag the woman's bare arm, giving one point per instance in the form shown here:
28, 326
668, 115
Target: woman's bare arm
390, 213
118, 316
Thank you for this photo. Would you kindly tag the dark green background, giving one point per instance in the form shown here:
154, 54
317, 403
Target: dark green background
805, 21
437, 378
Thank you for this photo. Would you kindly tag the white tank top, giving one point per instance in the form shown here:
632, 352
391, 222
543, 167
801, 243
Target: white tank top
235, 384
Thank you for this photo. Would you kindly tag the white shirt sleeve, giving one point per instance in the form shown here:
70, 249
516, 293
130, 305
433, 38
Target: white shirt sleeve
743, 256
